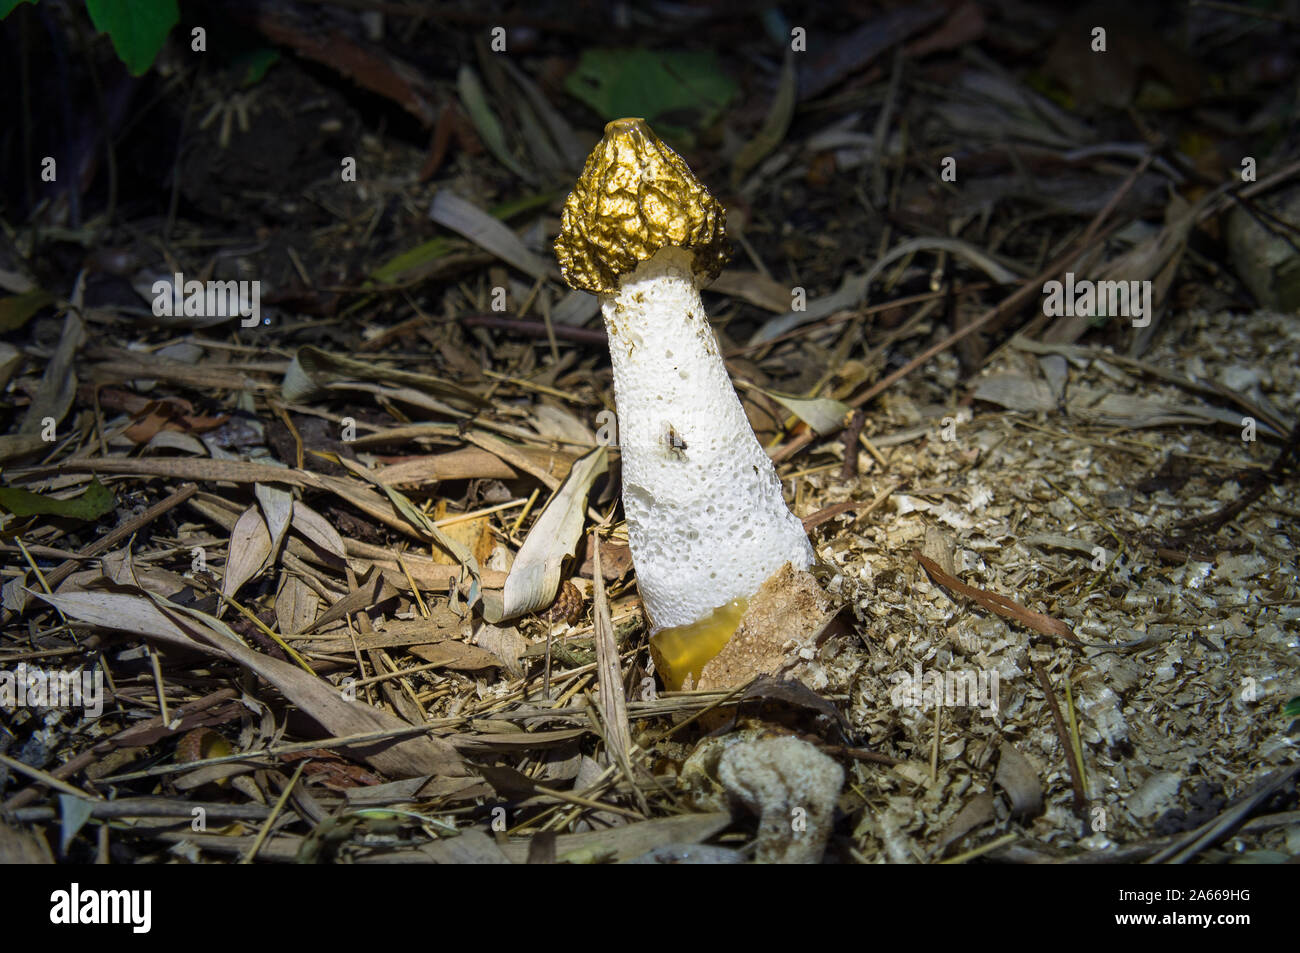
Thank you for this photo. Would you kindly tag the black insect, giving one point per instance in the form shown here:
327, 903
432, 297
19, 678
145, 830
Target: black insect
674, 442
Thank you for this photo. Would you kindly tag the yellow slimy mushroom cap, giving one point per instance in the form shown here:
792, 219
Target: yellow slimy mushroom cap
635, 197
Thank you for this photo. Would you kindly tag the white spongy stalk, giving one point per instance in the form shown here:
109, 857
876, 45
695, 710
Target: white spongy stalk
706, 520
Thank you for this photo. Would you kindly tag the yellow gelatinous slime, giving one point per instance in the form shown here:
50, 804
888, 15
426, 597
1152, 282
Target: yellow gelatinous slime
682, 651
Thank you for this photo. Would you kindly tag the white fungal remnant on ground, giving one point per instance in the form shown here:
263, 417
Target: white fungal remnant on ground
792, 787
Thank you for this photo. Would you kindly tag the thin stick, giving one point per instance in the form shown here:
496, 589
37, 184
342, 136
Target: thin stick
415, 590
1118, 196
982, 849
1080, 800
158, 687
588, 803
854, 313
45, 778
275, 812
462, 517
1076, 746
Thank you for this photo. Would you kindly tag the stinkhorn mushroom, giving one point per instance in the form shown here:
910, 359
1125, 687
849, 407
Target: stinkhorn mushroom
706, 520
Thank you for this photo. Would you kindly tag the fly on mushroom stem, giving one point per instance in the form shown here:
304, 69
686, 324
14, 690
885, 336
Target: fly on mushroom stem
707, 523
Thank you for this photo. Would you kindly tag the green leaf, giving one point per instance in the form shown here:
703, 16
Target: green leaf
137, 28
255, 64
1292, 708
90, 505
8, 6
674, 91
412, 262
17, 309
475, 101
775, 125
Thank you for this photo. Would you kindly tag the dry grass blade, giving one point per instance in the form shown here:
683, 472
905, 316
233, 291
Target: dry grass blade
775, 124
613, 700
1063, 735
465, 218
59, 383
313, 371
473, 97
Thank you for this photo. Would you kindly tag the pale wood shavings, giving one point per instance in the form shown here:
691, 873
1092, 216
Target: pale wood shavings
1188, 655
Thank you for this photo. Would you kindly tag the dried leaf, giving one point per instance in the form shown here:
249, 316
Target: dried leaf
176, 440
628, 841
1020, 780
59, 382
850, 52
535, 576
613, 699
16, 310
73, 814
23, 847
249, 550
977, 812
822, 414
467, 847
474, 534
453, 212
10, 360
277, 509
456, 656
296, 605
369, 593
557, 423
1016, 392
316, 529
18, 445
505, 643
758, 289
129, 612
